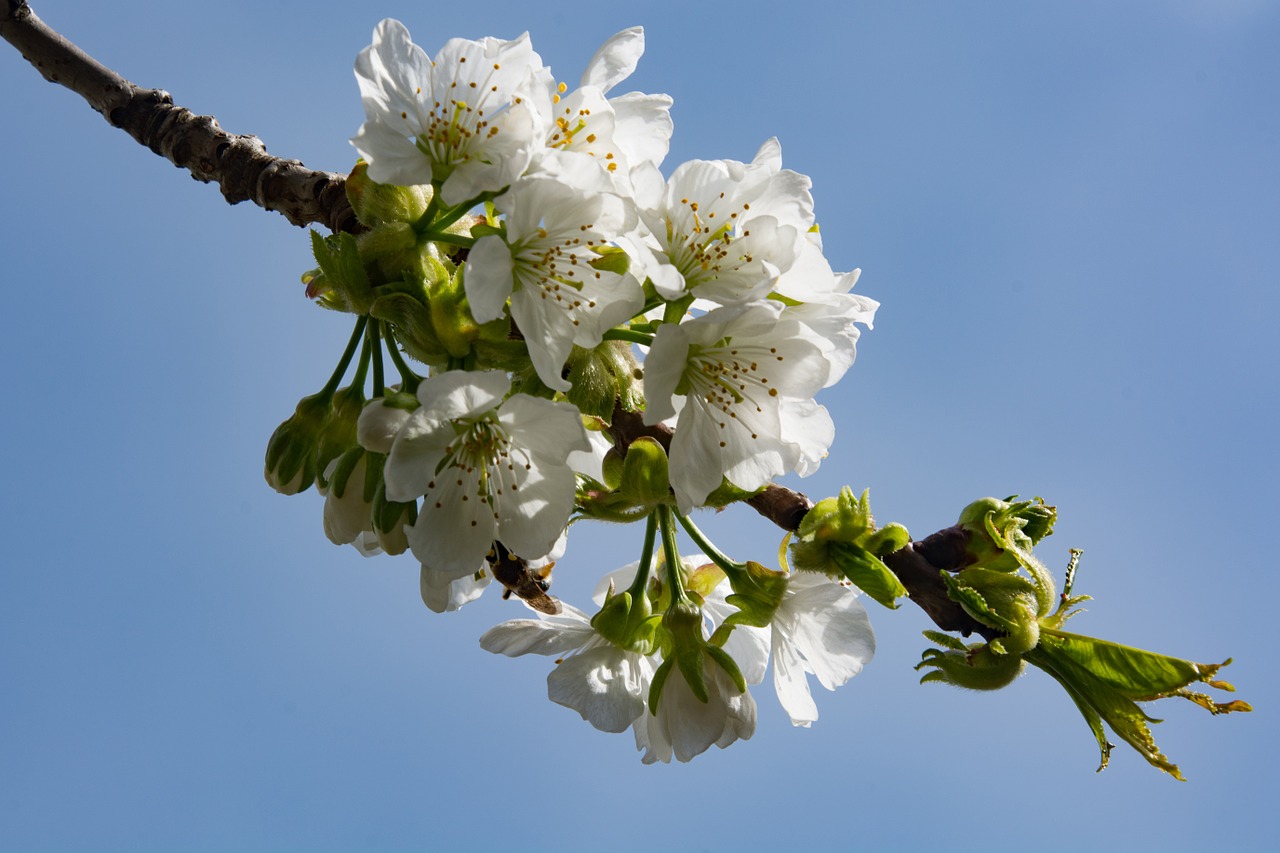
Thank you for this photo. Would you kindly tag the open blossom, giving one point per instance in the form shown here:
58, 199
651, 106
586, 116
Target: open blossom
556, 228
462, 119
617, 133
733, 367
605, 684
686, 727
821, 629
485, 467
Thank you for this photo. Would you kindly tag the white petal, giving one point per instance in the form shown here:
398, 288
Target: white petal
792, 685
604, 684
615, 60
455, 528
378, 425
831, 629
559, 636
749, 648
392, 156
690, 725
460, 394
442, 594
489, 278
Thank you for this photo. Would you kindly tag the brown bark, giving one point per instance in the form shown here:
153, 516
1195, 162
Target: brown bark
239, 164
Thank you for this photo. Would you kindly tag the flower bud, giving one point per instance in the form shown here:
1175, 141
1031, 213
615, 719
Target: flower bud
347, 502
993, 523
339, 433
644, 473
604, 377
291, 450
378, 204
838, 538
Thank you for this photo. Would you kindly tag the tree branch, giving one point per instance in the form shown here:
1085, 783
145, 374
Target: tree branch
240, 165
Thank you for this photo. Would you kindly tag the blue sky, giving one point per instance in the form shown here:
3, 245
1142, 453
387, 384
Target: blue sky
1070, 215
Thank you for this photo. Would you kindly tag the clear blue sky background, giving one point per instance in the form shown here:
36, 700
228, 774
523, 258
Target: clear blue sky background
1071, 213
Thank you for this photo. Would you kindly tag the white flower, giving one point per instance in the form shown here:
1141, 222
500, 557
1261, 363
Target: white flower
486, 468
462, 119
687, 727
606, 685
556, 227
707, 236
820, 628
615, 133
733, 366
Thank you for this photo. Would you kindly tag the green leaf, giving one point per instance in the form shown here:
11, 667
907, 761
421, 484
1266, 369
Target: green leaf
340, 263
1137, 674
1121, 713
868, 573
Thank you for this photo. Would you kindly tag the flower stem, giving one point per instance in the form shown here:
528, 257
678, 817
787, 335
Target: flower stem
671, 553
639, 586
424, 221
362, 366
700, 539
452, 239
375, 344
345, 361
628, 335
408, 379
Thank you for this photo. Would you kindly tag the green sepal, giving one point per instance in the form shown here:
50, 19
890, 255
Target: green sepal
726, 662
683, 622
390, 518
629, 623
411, 325
727, 493
484, 229
347, 287
757, 592
342, 472
973, 667
659, 682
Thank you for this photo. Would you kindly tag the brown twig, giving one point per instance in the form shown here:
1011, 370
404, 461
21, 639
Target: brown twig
239, 164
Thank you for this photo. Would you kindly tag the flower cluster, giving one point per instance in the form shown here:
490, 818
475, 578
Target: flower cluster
521, 241
603, 342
